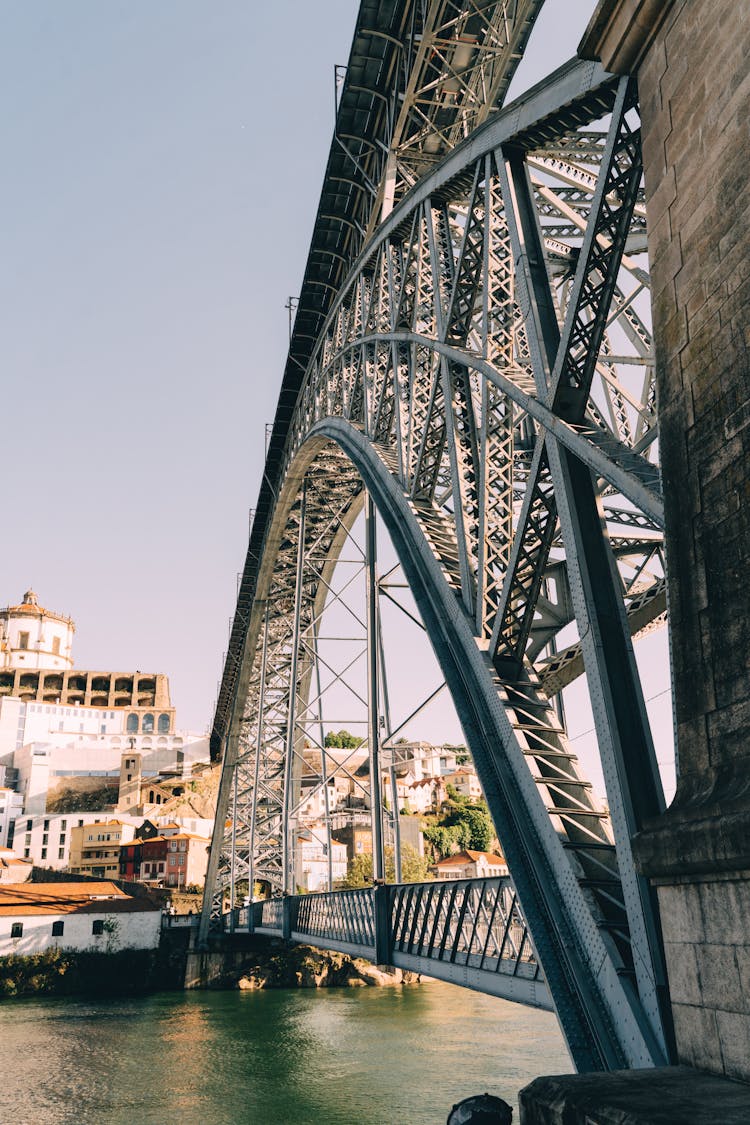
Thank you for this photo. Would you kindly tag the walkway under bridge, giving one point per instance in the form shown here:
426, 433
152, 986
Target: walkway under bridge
471, 360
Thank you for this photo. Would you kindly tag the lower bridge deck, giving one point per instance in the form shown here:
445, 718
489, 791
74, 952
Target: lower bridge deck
468, 932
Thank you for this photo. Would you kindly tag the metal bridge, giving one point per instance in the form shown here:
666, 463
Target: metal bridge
471, 360
468, 932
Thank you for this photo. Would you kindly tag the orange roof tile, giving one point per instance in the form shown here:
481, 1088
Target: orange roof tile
469, 856
67, 898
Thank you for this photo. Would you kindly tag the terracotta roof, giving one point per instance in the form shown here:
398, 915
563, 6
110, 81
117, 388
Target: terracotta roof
67, 898
188, 836
469, 856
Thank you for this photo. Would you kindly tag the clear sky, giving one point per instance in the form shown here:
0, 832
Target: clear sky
162, 161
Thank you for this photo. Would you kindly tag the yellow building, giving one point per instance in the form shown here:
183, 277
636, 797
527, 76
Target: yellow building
95, 848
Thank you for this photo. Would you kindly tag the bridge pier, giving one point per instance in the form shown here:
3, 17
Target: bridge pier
691, 61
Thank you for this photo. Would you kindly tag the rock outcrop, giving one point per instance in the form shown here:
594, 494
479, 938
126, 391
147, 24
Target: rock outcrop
301, 966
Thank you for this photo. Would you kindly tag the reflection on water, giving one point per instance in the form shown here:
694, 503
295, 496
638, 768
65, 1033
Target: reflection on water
333, 1057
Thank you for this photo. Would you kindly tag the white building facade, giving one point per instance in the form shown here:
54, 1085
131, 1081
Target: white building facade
87, 917
33, 637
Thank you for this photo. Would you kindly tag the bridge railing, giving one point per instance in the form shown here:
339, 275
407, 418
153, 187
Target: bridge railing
474, 923
342, 916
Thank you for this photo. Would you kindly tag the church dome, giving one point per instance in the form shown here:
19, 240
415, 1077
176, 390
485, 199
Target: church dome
30, 604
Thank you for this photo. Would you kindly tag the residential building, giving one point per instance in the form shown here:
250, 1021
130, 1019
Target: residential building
95, 848
80, 916
187, 860
11, 806
427, 794
46, 839
465, 781
357, 838
311, 859
470, 865
424, 759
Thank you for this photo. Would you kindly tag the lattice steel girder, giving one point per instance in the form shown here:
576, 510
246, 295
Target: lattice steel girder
588, 1011
441, 290
566, 361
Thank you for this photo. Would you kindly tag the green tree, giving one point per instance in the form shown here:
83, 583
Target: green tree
442, 838
342, 740
414, 868
478, 828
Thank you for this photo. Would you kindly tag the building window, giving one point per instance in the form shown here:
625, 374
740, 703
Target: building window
61, 853
148, 724
62, 838
181, 860
98, 926
29, 825
57, 929
46, 825
26, 852
63, 825
56, 652
44, 853
23, 640
132, 724
16, 929
45, 838
164, 724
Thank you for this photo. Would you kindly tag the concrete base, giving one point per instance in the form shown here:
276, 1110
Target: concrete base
675, 1095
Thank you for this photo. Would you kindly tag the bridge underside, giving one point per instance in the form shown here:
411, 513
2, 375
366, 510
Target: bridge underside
483, 376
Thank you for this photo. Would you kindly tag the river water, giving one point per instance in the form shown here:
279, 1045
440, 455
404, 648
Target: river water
376, 1056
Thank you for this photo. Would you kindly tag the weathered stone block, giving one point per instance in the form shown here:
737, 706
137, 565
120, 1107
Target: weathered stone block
725, 905
734, 1035
697, 1036
743, 966
682, 914
719, 978
684, 985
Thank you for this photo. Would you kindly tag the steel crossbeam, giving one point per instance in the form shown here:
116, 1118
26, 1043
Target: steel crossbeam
485, 371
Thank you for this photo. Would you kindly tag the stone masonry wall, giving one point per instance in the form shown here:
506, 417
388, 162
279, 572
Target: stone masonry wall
694, 84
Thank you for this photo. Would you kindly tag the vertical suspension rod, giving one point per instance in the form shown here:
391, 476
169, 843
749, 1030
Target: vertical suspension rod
233, 862
287, 853
323, 757
258, 752
373, 695
387, 717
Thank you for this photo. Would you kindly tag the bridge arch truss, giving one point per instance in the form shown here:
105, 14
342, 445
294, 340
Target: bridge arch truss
484, 377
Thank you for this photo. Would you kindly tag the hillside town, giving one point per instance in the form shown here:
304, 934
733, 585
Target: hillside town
99, 786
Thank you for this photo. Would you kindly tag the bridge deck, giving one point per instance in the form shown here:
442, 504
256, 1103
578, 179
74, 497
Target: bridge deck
468, 932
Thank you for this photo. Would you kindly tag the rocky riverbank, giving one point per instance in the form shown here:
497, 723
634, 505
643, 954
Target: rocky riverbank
301, 966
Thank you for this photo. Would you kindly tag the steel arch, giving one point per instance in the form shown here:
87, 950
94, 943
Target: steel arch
455, 374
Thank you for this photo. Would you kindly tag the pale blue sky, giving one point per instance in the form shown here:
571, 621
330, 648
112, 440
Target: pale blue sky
162, 161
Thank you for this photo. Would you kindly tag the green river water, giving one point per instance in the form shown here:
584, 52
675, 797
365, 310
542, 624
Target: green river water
377, 1056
